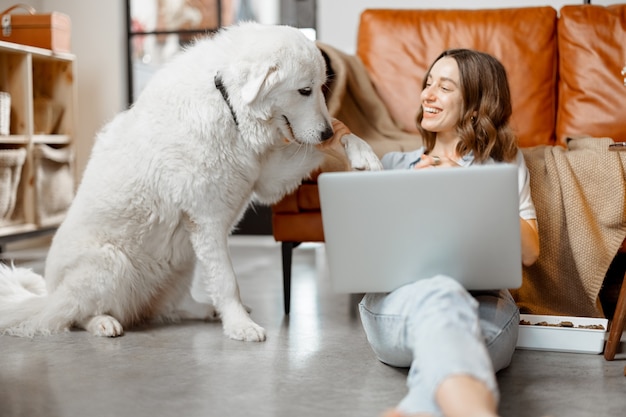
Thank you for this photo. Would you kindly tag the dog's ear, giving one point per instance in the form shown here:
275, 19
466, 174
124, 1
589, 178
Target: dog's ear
259, 79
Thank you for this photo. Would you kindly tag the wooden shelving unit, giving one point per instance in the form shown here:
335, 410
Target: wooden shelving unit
36, 158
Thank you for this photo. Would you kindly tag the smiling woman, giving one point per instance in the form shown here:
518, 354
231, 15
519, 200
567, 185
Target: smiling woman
453, 340
442, 100
458, 102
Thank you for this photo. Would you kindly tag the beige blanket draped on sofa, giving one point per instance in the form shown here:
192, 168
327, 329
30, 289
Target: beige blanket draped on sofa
579, 193
580, 197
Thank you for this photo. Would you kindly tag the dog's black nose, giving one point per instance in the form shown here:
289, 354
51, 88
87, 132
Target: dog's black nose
328, 133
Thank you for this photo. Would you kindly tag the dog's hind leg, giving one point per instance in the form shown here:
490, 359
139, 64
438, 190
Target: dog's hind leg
102, 325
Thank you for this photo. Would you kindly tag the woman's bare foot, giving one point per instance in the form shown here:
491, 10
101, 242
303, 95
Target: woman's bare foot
465, 396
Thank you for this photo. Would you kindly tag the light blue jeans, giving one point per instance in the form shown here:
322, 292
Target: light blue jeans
439, 329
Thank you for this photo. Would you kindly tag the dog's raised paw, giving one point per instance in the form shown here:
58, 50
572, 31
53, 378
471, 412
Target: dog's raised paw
360, 154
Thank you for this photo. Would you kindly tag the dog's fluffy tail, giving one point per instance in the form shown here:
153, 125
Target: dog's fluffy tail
25, 307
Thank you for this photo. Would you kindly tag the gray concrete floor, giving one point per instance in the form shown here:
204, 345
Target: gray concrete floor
315, 362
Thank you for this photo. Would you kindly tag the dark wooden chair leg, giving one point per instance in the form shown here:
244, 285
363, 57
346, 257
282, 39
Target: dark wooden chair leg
617, 325
287, 252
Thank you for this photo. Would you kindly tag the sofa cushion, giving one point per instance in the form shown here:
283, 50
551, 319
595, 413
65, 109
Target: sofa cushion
397, 46
304, 198
592, 54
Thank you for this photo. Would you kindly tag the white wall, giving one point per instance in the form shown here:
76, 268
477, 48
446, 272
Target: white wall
337, 21
98, 41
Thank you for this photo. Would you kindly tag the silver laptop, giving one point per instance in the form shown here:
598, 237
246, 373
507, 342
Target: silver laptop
388, 228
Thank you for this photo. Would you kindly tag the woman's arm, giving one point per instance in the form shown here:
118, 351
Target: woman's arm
530, 241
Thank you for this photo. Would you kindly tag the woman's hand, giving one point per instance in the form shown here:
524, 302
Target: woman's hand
340, 130
434, 161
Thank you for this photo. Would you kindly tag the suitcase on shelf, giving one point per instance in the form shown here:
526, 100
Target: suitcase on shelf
49, 31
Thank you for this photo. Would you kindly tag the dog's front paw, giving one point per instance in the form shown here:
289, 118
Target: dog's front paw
247, 331
250, 332
360, 154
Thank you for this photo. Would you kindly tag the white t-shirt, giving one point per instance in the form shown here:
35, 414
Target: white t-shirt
406, 160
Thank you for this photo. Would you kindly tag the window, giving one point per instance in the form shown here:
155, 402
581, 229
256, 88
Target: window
159, 29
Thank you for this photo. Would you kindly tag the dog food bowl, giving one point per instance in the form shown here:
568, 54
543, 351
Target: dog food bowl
585, 334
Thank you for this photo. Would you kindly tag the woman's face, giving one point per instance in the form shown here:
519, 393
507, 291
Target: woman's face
441, 99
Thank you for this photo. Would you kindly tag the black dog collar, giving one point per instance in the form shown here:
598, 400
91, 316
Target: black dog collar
219, 84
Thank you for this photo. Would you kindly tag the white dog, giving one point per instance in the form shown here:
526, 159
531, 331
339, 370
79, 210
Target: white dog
235, 118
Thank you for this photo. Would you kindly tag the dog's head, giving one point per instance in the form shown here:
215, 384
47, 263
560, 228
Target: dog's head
282, 79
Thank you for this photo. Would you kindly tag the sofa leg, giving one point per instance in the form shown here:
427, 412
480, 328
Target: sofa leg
617, 324
287, 249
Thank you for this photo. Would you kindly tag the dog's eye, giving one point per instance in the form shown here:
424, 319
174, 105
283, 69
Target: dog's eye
305, 91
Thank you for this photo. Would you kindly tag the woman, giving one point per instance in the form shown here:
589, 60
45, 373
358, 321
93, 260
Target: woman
454, 340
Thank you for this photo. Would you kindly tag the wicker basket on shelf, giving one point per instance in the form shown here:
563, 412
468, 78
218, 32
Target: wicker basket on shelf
5, 113
11, 163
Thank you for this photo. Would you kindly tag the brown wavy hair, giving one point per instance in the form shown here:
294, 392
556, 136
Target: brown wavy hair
486, 110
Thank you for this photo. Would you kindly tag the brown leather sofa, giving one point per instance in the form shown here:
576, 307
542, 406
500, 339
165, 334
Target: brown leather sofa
566, 70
